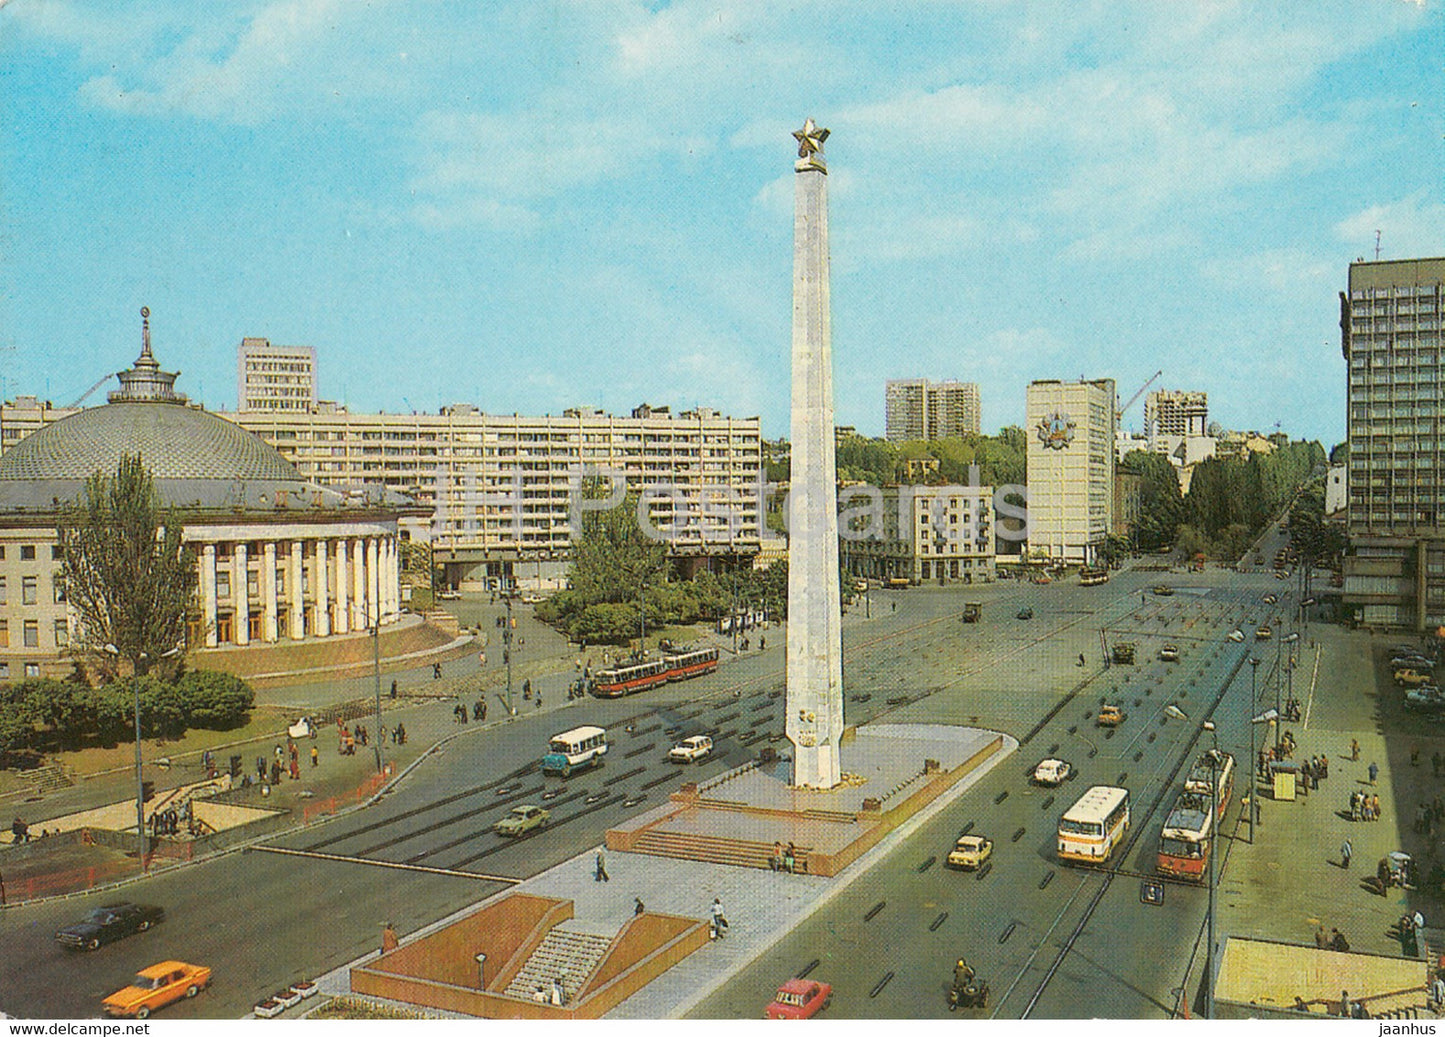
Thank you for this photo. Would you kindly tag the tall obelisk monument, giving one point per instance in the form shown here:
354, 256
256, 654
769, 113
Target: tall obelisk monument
815, 646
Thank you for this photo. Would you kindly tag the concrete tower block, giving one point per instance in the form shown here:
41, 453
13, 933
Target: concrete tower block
815, 647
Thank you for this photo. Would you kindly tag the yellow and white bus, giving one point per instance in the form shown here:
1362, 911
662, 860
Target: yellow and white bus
1090, 830
574, 750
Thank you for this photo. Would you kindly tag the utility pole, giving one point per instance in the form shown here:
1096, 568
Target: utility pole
507, 655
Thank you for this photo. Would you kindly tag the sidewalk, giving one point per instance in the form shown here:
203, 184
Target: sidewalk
1291, 881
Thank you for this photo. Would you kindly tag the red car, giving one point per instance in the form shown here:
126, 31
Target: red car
799, 999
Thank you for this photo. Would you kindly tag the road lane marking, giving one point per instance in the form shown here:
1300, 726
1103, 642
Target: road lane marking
388, 864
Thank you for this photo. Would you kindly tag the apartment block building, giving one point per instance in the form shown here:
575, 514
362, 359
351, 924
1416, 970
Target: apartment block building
1390, 330
502, 488
917, 409
923, 533
275, 378
1071, 468
1172, 415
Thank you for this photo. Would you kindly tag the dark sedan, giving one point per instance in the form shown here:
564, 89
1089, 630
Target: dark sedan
108, 924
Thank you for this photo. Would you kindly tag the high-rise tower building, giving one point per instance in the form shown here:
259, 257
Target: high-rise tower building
1391, 338
915, 408
1172, 415
1070, 468
275, 378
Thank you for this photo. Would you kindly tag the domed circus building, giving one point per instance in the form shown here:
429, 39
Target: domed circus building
280, 559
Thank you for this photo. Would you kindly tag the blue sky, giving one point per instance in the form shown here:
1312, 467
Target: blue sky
539, 204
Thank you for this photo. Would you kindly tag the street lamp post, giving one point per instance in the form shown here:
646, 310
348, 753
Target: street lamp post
507, 657
1253, 764
140, 821
376, 672
1213, 857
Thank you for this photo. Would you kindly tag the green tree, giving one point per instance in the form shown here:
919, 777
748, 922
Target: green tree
124, 568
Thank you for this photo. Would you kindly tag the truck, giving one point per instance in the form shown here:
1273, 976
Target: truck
972, 610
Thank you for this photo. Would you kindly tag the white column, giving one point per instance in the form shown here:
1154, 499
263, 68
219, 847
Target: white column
393, 581
298, 593
373, 583
242, 633
323, 598
358, 587
343, 606
270, 630
208, 593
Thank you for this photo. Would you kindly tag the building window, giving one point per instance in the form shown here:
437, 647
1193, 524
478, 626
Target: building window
2, 590
59, 586
27, 552
62, 633
32, 633
32, 669
4, 633
57, 553
4, 671
29, 589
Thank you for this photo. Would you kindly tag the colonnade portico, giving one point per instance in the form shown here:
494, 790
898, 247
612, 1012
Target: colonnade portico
266, 583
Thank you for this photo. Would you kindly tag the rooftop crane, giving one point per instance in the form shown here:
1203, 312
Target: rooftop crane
89, 391
1154, 378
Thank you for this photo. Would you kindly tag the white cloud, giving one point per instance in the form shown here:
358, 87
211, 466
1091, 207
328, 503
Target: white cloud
1410, 226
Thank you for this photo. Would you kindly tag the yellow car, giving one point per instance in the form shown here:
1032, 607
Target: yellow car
156, 987
1110, 716
970, 852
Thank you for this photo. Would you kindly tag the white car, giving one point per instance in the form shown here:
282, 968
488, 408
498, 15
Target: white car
1236, 636
532, 599
1169, 654
691, 750
1053, 772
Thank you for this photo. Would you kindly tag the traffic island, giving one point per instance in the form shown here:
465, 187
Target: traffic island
742, 817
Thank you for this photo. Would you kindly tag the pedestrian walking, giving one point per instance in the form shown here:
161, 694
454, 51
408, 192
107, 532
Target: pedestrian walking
1324, 766
1322, 938
1375, 807
1338, 941
1374, 771
389, 939
393, 688
599, 871
295, 770
1414, 756
1435, 762
315, 757
637, 907
719, 922
1354, 751
1346, 851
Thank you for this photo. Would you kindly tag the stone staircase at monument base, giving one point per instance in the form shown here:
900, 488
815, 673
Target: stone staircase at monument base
714, 849
568, 955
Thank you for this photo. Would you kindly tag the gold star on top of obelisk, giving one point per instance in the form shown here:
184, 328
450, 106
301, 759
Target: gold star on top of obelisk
810, 147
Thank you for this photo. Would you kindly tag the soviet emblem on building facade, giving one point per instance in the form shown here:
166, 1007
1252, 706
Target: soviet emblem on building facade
1056, 431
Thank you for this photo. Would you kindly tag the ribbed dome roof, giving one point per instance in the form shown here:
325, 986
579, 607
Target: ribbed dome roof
145, 416
175, 442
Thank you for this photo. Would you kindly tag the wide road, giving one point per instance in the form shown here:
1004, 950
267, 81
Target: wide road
1052, 941
265, 919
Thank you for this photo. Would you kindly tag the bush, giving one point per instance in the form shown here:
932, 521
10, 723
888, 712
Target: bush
215, 701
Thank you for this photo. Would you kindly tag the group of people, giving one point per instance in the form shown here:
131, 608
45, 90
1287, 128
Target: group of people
1407, 931
555, 995
1428, 815
784, 859
1334, 940
168, 821
1363, 806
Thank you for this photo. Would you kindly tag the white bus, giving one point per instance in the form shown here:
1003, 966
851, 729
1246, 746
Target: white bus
1091, 828
575, 750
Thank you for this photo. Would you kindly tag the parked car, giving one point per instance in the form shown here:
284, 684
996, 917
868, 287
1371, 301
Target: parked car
1169, 654
1236, 635
691, 750
1163, 590
969, 852
1110, 716
156, 987
1425, 699
532, 599
1263, 633
1271, 599
1412, 678
449, 595
1052, 772
108, 924
522, 820
1412, 662
799, 999
1026, 613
